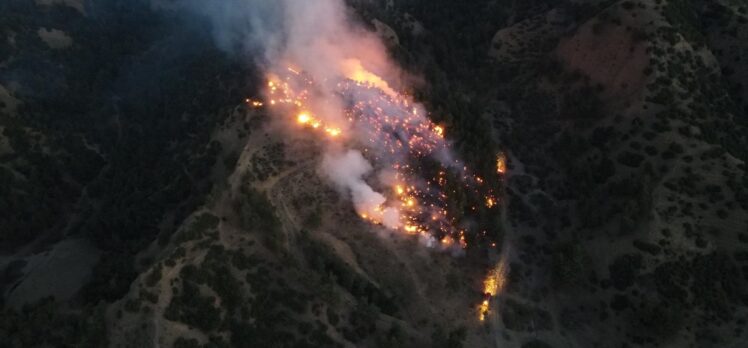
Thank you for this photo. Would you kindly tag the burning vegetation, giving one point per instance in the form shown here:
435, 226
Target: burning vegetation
417, 187
386, 132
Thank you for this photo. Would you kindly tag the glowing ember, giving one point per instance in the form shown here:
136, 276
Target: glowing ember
439, 130
333, 132
500, 163
303, 118
254, 103
484, 309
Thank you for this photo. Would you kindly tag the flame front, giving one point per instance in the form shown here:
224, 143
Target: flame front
354, 70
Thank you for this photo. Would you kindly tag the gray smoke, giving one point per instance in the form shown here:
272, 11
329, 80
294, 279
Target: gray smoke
347, 170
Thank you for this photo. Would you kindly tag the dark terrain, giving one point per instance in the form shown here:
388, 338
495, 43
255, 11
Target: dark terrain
144, 203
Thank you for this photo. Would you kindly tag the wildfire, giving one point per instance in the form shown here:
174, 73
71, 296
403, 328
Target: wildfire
395, 134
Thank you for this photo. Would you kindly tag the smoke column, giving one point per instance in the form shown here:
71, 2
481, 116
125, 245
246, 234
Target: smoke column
322, 42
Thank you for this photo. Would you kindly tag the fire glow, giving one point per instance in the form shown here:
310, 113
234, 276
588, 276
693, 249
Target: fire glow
393, 133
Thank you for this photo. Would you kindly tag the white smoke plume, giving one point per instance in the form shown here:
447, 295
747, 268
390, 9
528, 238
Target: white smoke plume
347, 170
323, 42
315, 36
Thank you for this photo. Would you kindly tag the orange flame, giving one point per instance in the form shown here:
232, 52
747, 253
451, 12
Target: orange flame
303, 118
492, 286
439, 130
354, 70
500, 163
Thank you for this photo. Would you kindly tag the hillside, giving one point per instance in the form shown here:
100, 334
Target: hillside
148, 201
